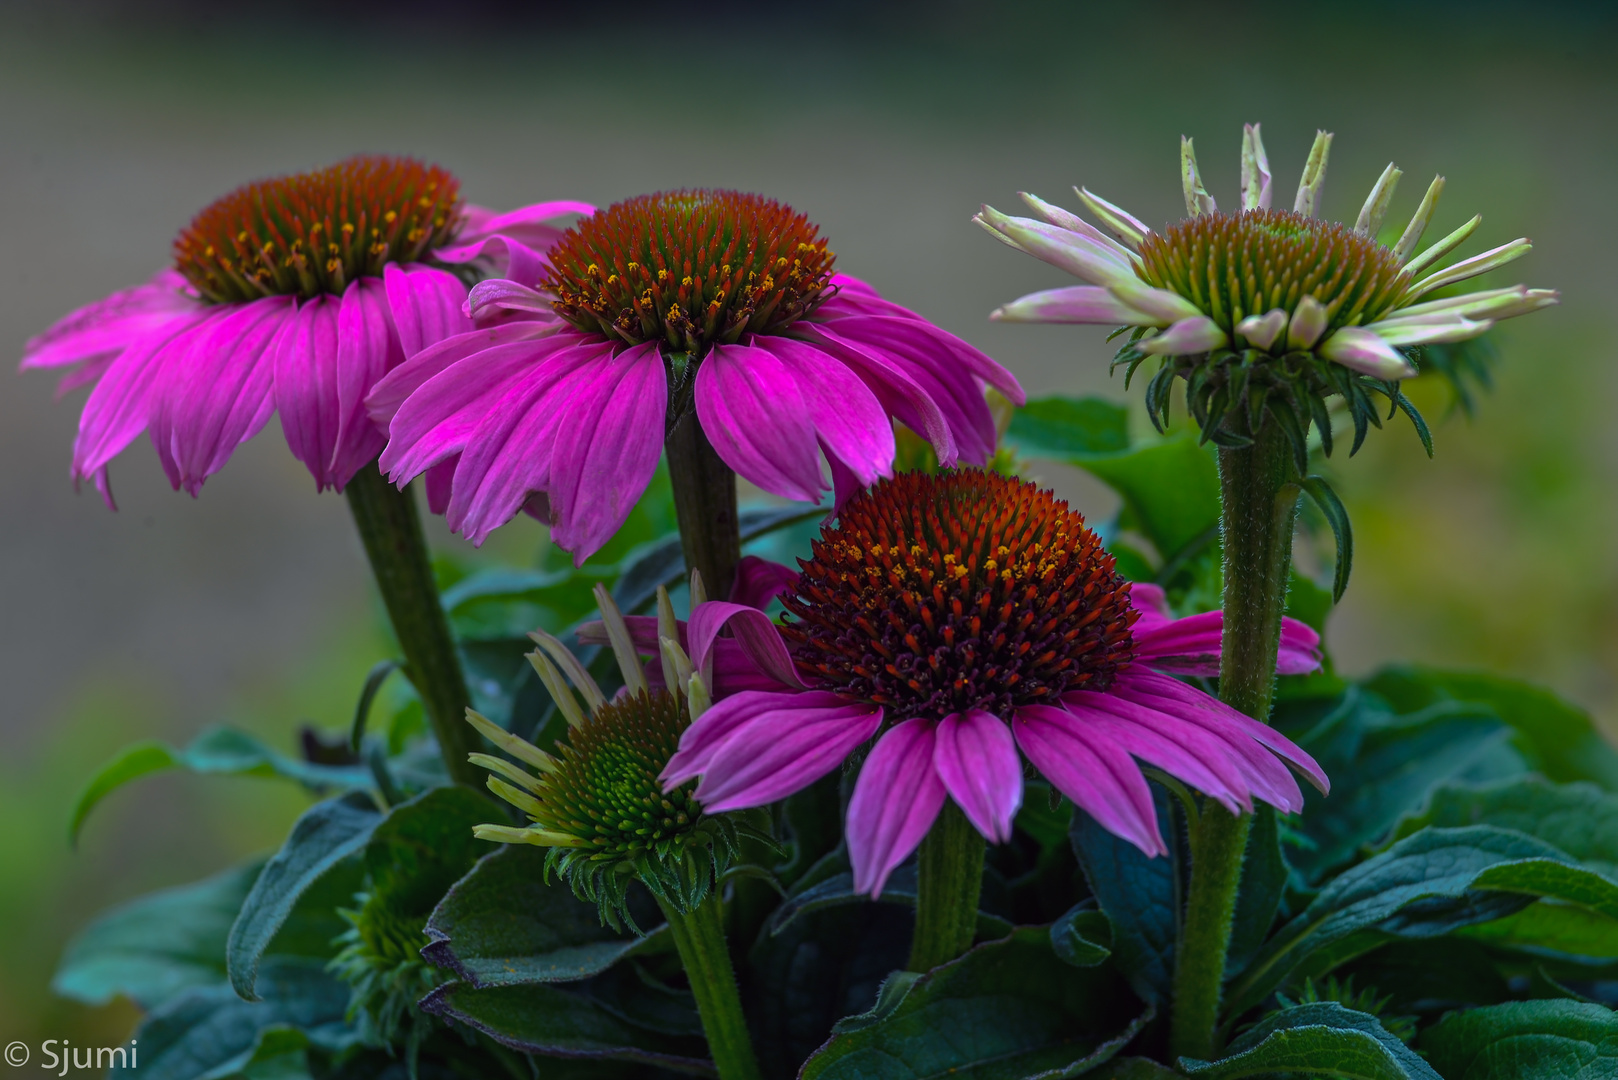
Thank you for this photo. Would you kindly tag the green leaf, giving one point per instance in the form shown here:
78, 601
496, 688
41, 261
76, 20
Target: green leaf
208, 1032
1082, 937
1526, 1040
1580, 819
540, 1019
155, 946
502, 925
1170, 489
324, 836
1559, 739
1331, 508
1139, 1068
1059, 428
1007, 1010
1264, 881
664, 563
1321, 1038
1425, 885
839, 889
1138, 896
216, 750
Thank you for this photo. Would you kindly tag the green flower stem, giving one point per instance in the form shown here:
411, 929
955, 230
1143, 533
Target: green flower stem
949, 882
1259, 504
699, 935
390, 528
704, 506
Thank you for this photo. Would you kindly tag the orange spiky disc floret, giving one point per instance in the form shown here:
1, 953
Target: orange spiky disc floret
934, 594
312, 233
1235, 265
690, 269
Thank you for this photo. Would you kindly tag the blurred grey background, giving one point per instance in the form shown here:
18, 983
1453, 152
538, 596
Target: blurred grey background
888, 125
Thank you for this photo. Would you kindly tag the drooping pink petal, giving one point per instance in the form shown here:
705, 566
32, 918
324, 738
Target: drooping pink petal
214, 396
976, 758
508, 256
896, 800
1190, 646
850, 422
1100, 777
367, 349
931, 344
760, 581
753, 631
529, 224
1083, 304
439, 482
845, 482
754, 414
499, 296
783, 752
113, 324
739, 715
900, 395
1299, 653
306, 385
608, 442
426, 305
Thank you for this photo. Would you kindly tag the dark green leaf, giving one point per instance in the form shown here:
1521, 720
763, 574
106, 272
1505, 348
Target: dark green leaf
1007, 1010
1264, 880
839, 890
1580, 819
151, 948
1138, 1068
1058, 428
1139, 896
1170, 488
1082, 937
1526, 1040
1331, 508
362, 710
324, 836
1559, 739
502, 925
1318, 1039
664, 562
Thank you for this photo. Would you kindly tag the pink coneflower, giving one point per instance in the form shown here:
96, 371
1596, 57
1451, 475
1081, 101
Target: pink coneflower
708, 301
965, 617
292, 295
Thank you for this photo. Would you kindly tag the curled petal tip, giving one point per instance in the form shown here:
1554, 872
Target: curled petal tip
1263, 330
1186, 338
1365, 351
1309, 321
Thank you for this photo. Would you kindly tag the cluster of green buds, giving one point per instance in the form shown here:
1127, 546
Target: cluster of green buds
597, 802
380, 960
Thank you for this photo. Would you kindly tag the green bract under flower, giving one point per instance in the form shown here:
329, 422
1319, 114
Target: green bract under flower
597, 802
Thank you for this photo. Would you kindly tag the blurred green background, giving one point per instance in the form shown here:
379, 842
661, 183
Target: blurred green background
888, 126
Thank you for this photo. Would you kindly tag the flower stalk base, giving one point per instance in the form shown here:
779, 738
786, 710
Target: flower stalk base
949, 883
704, 506
390, 529
699, 935
1259, 503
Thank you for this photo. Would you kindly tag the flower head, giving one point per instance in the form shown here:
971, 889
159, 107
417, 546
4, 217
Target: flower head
291, 295
709, 307
597, 802
1264, 312
962, 618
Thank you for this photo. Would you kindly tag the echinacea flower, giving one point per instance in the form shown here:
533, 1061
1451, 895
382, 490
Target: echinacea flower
1265, 311
597, 802
962, 618
710, 306
290, 295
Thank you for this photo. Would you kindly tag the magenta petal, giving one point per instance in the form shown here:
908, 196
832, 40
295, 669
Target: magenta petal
426, 305
438, 482
482, 222
976, 758
115, 323
753, 413
367, 349
753, 631
1101, 778
1299, 653
914, 336
510, 257
760, 581
901, 395
896, 800
607, 444
306, 385
710, 732
783, 752
389, 395
214, 396
851, 423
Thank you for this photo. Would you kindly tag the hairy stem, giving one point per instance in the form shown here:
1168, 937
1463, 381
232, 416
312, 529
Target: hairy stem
390, 529
699, 935
1259, 503
704, 506
949, 882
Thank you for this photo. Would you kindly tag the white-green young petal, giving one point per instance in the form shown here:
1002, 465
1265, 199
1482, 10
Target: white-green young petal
516, 797
668, 630
505, 768
1443, 247
623, 646
1066, 219
1364, 351
1186, 338
1262, 330
1085, 304
1418, 223
1412, 333
1314, 175
566, 703
980, 220
1161, 305
676, 664
1255, 170
1078, 255
505, 834
1129, 229
1466, 303
1492, 259
1197, 199
519, 748
1309, 321
576, 672
1376, 204
697, 697
697, 590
